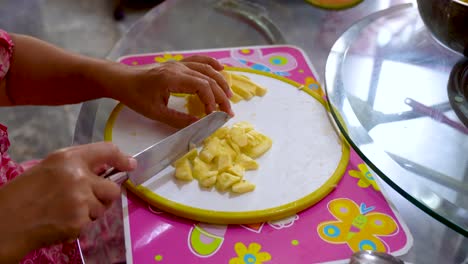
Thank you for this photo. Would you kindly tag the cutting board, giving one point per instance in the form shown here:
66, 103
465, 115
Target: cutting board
353, 216
298, 171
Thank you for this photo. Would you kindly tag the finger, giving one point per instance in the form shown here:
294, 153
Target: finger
186, 83
105, 191
175, 118
209, 71
220, 96
96, 208
100, 153
101, 169
206, 60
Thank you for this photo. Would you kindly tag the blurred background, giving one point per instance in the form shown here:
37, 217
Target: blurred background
87, 27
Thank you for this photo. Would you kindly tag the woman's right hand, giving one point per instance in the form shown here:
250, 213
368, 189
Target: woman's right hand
54, 200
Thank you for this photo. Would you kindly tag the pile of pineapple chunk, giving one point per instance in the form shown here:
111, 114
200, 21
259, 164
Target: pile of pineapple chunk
242, 89
224, 158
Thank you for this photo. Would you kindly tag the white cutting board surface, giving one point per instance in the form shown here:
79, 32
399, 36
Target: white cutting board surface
306, 152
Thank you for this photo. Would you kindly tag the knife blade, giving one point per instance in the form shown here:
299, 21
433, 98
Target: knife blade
158, 156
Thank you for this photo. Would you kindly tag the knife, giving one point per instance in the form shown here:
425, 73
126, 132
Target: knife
157, 157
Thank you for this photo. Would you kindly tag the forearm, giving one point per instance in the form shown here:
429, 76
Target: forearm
42, 74
14, 241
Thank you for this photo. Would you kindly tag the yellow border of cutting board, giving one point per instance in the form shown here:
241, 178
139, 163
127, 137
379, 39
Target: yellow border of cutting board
248, 217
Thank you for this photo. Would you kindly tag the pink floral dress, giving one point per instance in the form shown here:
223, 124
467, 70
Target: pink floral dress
102, 240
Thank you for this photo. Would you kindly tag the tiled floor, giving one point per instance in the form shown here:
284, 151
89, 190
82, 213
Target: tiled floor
86, 27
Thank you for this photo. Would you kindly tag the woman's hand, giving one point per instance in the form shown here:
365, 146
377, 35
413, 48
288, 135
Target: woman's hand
42, 74
147, 89
53, 200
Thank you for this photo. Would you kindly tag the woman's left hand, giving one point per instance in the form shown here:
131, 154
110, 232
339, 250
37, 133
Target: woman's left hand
146, 89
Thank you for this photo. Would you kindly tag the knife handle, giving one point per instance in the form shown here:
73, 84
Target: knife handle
115, 175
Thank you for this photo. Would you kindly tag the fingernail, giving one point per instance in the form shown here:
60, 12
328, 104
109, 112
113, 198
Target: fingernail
133, 162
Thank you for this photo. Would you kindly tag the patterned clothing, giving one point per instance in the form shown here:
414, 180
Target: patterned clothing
102, 240
6, 50
63, 253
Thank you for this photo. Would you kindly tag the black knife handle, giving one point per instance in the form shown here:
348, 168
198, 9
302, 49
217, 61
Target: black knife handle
115, 175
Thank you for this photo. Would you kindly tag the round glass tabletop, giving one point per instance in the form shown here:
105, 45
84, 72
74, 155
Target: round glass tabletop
387, 80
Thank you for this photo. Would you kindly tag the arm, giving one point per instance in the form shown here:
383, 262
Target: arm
42, 74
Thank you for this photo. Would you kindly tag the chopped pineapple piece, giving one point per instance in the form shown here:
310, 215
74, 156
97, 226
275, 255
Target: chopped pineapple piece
247, 162
208, 182
183, 171
235, 98
245, 77
238, 136
195, 106
243, 187
192, 154
244, 83
227, 76
245, 125
240, 89
200, 169
225, 147
226, 180
210, 150
239, 77
220, 134
260, 91
237, 170
233, 146
248, 84
263, 144
224, 161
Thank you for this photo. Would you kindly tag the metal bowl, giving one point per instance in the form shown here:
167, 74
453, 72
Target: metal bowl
448, 22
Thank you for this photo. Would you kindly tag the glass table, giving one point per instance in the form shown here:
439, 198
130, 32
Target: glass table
376, 64
387, 77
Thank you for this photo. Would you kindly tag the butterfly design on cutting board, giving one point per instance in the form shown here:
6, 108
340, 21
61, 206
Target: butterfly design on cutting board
360, 227
279, 63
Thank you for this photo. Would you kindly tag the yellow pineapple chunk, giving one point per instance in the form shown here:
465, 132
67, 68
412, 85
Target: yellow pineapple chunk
245, 125
192, 154
239, 77
261, 145
220, 134
243, 187
200, 169
235, 98
247, 162
259, 90
224, 161
225, 147
208, 182
233, 146
195, 106
245, 84
241, 90
243, 76
183, 171
238, 136
226, 180
237, 170
210, 150
227, 76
